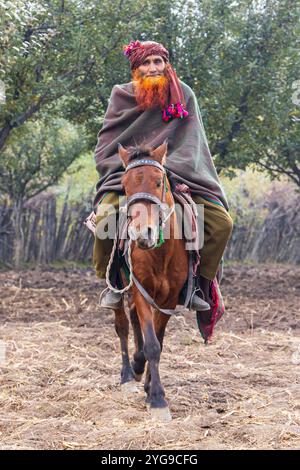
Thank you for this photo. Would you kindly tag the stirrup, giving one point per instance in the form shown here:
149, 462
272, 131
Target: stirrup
113, 302
202, 306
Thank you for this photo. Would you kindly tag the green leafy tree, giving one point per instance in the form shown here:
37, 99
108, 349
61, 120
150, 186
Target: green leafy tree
61, 58
242, 60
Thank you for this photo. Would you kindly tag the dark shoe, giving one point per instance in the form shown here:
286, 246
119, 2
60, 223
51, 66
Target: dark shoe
110, 299
197, 303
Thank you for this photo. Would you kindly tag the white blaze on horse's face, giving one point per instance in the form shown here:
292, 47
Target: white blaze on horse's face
144, 225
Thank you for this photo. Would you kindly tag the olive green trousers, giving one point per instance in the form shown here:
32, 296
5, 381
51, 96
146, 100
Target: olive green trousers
217, 231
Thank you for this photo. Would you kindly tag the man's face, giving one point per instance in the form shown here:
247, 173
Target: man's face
151, 83
153, 66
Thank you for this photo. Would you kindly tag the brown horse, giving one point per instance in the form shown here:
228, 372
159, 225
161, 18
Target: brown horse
162, 271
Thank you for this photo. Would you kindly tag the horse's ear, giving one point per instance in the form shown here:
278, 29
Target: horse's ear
159, 154
123, 154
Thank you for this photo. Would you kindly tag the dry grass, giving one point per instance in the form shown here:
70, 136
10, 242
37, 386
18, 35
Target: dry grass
60, 382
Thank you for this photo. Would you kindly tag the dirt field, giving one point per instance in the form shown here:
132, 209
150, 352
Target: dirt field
60, 380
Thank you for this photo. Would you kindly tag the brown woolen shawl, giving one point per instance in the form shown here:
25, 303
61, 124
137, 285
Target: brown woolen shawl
188, 157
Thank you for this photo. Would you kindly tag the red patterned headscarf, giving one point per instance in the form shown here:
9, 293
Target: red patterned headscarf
137, 52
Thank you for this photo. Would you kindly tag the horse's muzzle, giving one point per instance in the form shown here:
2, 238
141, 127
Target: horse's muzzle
146, 238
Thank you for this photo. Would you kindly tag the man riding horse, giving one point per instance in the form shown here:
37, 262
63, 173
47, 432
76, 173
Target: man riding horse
154, 107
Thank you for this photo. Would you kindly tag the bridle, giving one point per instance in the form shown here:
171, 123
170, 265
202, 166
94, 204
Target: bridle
164, 210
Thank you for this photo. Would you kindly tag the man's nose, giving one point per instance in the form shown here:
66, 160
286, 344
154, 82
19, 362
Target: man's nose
152, 67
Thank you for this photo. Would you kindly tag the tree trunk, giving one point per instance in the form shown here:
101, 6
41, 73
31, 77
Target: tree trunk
4, 134
17, 217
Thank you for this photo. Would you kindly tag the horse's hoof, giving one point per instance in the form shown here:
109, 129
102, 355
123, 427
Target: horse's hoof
161, 414
138, 377
129, 388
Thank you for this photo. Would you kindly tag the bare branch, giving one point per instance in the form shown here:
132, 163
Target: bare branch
280, 172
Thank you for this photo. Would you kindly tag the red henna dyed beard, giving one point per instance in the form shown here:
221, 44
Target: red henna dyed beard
150, 92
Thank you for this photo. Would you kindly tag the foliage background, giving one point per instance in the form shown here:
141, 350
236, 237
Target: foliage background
59, 61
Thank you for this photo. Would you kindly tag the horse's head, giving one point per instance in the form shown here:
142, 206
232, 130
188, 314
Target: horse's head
145, 183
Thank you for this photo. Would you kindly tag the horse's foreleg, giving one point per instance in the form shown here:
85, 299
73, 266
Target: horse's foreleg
122, 329
160, 323
139, 360
152, 350
147, 385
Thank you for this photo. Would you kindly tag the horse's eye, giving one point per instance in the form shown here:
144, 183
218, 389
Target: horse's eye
158, 184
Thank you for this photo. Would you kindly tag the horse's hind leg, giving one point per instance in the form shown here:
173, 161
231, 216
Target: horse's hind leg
122, 329
139, 360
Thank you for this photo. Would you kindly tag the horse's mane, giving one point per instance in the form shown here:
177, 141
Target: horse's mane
139, 151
